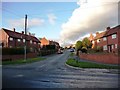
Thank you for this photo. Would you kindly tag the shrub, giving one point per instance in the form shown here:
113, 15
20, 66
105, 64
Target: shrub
84, 50
98, 49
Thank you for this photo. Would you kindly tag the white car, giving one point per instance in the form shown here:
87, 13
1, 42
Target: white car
60, 51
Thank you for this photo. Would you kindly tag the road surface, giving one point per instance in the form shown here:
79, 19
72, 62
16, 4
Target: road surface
53, 73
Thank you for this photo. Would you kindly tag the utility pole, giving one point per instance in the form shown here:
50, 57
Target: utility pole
25, 47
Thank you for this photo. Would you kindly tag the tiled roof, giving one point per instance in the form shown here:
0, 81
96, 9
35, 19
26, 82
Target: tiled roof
100, 35
112, 30
20, 35
107, 32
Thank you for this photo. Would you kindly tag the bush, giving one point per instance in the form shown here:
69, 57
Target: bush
98, 49
84, 50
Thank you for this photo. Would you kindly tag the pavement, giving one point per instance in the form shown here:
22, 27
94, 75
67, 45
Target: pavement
54, 73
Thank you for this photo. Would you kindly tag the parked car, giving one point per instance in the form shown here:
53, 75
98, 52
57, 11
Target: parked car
60, 51
72, 50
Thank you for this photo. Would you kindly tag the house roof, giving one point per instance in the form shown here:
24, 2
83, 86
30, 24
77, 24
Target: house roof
112, 30
108, 32
20, 35
100, 35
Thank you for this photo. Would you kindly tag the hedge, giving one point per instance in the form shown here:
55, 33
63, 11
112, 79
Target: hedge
46, 52
13, 51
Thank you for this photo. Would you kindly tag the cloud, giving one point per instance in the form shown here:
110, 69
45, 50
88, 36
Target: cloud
34, 22
52, 18
91, 16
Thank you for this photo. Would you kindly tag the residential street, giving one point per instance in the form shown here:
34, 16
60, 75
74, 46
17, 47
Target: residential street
53, 73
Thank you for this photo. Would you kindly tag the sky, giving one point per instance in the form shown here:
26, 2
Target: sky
65, 22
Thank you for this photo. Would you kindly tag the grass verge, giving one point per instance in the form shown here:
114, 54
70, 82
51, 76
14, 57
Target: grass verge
75, 63
22, 61
71, 54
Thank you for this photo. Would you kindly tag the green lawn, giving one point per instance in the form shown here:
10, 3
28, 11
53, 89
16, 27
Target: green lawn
71, 54
73, 62
22, 61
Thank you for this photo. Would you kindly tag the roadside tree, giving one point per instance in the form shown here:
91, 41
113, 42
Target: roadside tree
86, 43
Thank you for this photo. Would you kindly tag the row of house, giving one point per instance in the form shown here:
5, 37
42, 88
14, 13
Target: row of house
109, 39
11, 38
45, 42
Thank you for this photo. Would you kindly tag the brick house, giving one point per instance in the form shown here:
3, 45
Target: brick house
109, 40
54, 43
15, 39
45, 42
98, 40
112, 39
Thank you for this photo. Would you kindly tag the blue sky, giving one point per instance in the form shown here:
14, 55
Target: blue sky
15, 11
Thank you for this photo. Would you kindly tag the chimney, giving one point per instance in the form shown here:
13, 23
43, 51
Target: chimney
97, 33
22, 32
108, 28
14, 29
29, 33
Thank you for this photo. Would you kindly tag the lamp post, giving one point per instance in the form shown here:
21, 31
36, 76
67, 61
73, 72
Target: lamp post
25, 47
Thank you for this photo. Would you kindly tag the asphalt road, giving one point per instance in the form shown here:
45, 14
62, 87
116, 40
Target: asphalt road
53, 73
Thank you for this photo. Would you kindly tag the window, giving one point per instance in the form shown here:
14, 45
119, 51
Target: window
112, 46
98, 40
104, 39
23, 40
18, 40
115, 45
11, 39
105, 47
113, 36
31, 41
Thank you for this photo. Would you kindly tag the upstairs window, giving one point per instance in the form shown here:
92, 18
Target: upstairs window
104, 39
113, 36
31, 41
98, 40
11, 39
18, 40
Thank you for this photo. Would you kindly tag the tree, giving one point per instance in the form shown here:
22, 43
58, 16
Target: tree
78, 45
86, 43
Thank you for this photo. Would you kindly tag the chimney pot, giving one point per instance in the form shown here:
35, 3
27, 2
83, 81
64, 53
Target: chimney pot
107, 28
29, 33
14, 29
22, 32
97, 33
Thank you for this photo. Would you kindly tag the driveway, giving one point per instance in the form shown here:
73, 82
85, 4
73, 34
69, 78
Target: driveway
53, 73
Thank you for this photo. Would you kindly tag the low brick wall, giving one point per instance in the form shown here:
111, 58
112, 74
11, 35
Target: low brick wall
102, 58
16, 57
